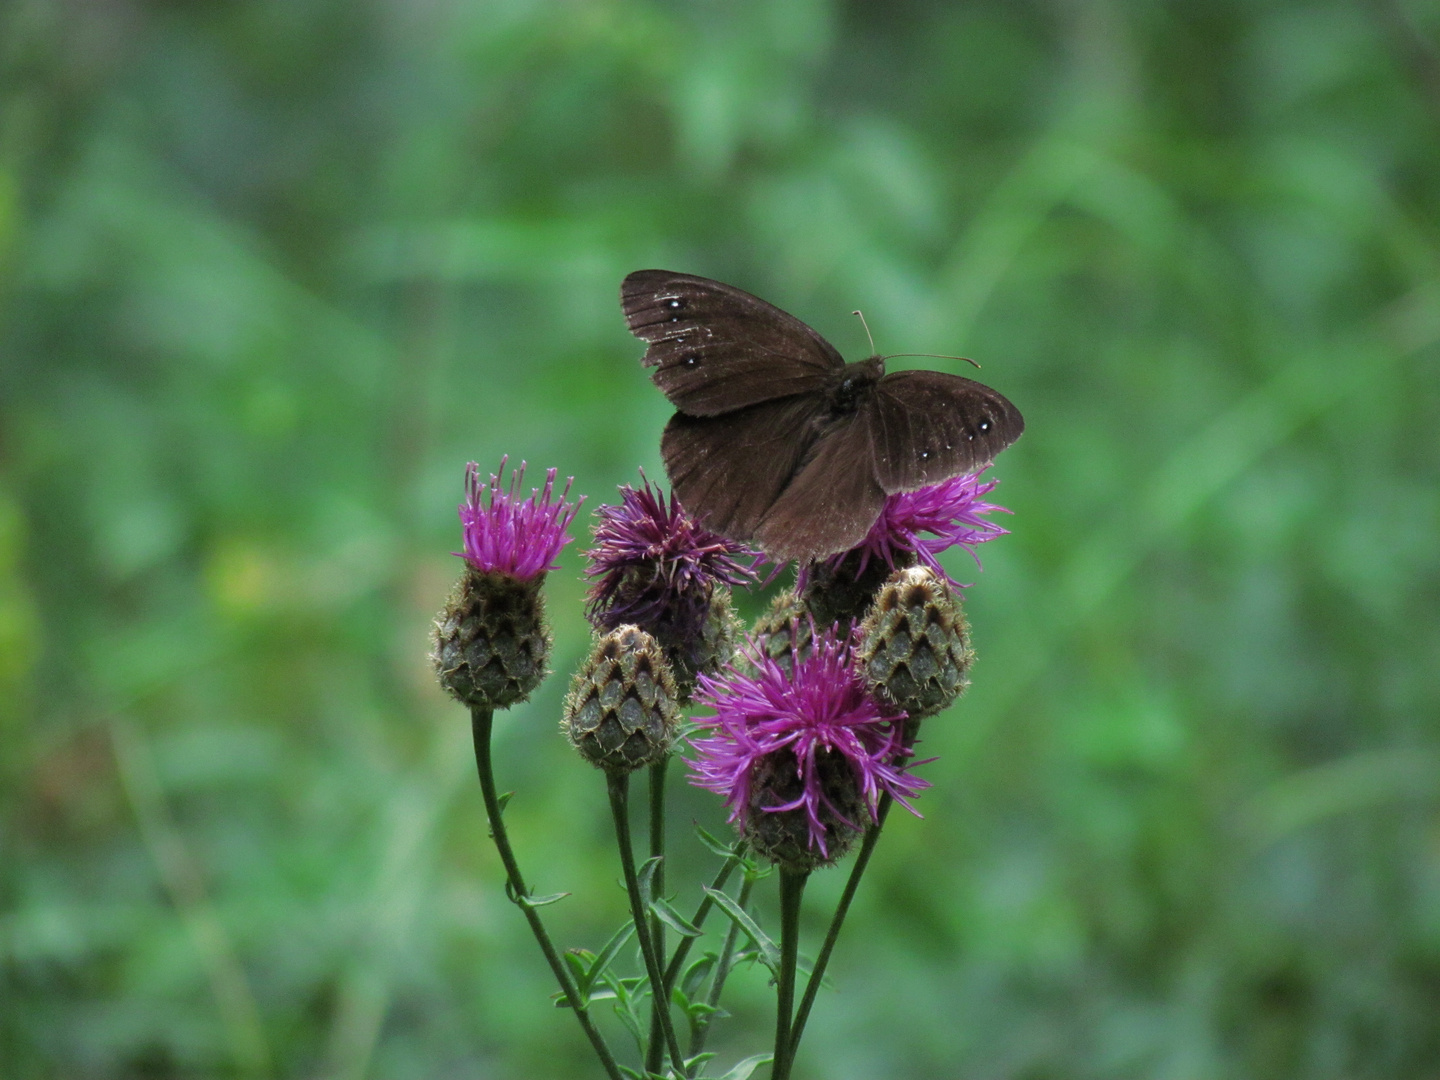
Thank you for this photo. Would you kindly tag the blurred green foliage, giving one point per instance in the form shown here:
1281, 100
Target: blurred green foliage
272, 271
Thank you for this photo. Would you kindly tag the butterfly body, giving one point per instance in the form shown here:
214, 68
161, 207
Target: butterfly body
776, 439
853, 382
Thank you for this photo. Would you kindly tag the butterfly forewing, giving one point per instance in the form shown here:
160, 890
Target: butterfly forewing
927, 426
716, 348
729, 470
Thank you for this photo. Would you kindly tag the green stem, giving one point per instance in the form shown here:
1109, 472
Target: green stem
817, 973
659, 1005
672, 970
792, 888
619, 788
481, 724
699, 1033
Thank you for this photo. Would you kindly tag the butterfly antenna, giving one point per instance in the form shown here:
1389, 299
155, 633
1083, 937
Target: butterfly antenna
867, 330
933, 356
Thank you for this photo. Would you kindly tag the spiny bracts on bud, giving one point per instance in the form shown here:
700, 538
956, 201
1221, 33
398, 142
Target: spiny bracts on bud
804, 838
490, 641
838, 592
709, 650
915, 643
783, 630
622, 712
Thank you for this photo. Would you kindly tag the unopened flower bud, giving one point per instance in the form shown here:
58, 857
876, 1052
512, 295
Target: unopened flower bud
915, 644
621, 712
785, 629
490, 639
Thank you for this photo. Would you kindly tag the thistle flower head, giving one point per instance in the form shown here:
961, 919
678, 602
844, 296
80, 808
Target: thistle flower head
809, 741
654, 566
516, 537
651, 555
952, 512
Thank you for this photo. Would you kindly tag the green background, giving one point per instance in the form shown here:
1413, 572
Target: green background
271, 272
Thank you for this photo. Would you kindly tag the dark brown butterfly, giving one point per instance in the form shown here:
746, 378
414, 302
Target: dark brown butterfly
777, 440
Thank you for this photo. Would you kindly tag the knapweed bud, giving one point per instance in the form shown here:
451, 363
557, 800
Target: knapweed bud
785, 629
490, 639
710, 650
915, 643
621, 712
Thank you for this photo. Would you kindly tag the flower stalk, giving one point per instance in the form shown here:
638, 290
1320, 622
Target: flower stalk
792, 889
661, 1000
832, 933
481, 725
618, 787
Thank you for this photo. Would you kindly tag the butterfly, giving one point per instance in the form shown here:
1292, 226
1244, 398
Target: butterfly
776, 439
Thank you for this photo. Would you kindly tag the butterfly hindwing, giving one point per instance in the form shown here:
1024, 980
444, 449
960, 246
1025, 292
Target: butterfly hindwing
831, 503
729, 470
716, 348
927, 426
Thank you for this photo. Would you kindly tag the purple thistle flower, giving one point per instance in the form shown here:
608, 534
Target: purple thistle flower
655, 566
515, 537
952, 511
803, 726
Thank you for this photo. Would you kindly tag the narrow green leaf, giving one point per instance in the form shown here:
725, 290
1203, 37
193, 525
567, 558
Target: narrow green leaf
695, 1010
500, 801
646, 874
624, 990
673, 919
696, 974
743, 1069
632, 1025
715, 846
769, 952
578, 961
611, 950
625, 1009
693, 1064
541, 901
754, 871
